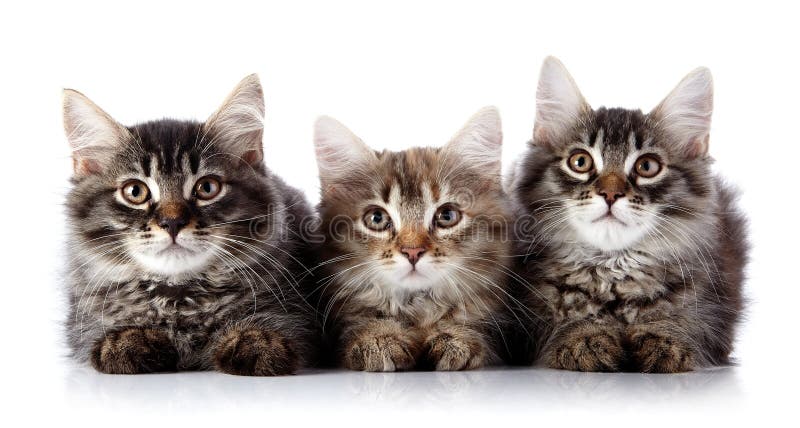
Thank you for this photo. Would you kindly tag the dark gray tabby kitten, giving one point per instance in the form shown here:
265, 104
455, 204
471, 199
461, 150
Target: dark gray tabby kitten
636, 257
183, 246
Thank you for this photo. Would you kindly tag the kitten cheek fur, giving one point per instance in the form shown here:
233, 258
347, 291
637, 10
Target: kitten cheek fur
380, 323
668, 302
238, 310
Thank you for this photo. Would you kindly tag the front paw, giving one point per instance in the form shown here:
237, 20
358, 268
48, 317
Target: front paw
255, 352
381, 353
449, 352
658, 353
588, 350
135, 350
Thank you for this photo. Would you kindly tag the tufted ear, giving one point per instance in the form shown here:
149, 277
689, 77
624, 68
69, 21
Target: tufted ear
559, 103
339, 151
685, 114
238, 125
480, 141
93, 135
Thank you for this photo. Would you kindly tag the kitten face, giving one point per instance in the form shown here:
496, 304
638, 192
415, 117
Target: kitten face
614, 178
420, 219
616, 181
414, 231
163, 196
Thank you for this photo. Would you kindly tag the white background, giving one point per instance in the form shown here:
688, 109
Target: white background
398, 74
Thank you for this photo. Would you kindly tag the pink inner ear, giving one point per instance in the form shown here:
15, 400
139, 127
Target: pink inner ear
251, 157
541, 137
86, 166
698, 147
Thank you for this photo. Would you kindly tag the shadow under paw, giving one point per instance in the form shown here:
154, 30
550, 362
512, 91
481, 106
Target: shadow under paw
255, 352
133, 351
598, 351
447, 352
384, 353
655, 353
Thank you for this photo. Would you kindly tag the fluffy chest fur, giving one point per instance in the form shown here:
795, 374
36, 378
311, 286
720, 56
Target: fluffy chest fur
579, 284
194, 304
424, 308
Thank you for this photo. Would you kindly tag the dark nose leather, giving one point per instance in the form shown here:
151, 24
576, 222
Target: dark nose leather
173, 217
172, 225
611, 187
413, 254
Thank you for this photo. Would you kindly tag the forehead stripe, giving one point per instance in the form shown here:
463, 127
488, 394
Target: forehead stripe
145, 161
598, 138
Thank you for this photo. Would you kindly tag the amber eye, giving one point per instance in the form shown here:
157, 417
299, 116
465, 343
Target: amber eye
580, 162
447, 216
135, 192
207, 188
377, 218
647, 166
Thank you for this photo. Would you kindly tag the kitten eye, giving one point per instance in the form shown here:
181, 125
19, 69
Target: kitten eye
647, 166
580, 162
447, 216
207, 188
377, 218
135, 192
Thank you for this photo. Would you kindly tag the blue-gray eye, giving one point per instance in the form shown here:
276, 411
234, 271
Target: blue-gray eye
135, 192
580, 161
377, 219
447, 216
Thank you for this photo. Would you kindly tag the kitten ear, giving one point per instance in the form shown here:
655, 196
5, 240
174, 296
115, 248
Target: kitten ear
93, 135
685, 113
559, 103
238, 125
480, 141
339, 151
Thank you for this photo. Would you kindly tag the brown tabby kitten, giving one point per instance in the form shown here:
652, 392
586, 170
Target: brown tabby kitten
415, 248
184, 246
636, 254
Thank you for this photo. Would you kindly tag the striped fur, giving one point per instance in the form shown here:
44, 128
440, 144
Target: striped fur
228, 298
445, 312
656, 287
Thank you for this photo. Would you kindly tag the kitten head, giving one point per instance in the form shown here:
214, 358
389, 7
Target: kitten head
420, 219
166, 196
611, 177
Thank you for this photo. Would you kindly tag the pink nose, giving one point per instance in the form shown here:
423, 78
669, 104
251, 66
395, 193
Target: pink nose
413, 254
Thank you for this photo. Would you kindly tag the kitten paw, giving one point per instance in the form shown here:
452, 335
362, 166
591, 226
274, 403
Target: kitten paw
133, 351
255, 352
448, 352
383, 353
655, 353
594, 351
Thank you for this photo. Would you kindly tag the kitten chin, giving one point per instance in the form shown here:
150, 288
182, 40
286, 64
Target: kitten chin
420, 277
608, 229
636, 257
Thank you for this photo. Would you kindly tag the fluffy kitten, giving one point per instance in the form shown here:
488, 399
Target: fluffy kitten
636, 254
183, 245
416, 249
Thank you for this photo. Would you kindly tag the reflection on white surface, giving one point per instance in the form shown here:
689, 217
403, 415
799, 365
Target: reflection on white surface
514, 390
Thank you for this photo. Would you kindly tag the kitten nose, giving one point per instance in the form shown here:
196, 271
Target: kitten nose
611, 187
172, 217
172, 225
413, 254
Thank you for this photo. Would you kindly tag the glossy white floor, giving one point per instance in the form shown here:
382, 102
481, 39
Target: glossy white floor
503, 394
